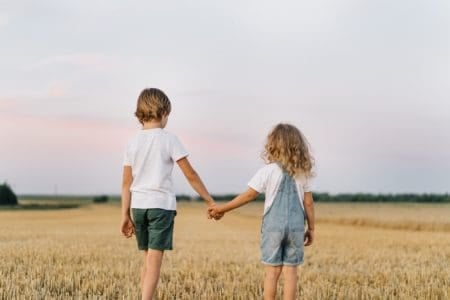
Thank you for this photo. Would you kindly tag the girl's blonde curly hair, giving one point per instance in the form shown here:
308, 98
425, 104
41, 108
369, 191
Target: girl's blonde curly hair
287, 146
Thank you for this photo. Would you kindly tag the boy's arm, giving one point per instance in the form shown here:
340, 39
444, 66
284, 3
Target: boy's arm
127, 226
194, 180
127, 180
240, 200
308, 204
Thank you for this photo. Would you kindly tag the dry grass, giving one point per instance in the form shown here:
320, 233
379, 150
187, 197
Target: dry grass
362, 251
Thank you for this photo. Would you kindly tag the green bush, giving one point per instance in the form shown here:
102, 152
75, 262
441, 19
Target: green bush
7, 196
360, 197
101, 199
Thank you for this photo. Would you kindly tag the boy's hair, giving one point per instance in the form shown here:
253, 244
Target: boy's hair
287, 146
152, 104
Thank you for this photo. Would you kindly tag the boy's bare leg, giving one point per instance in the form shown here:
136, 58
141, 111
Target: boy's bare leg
151, 273
290, 282
143, 270
271, 281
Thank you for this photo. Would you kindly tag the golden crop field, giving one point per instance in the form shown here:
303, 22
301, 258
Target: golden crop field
362, 251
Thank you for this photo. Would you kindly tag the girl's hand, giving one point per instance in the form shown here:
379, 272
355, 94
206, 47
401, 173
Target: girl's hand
309, 237
218, 216
127, 227
214, 212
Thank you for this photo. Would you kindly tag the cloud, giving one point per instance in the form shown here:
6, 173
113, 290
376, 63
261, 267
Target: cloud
4, 20
58, 90
55, 99
292, 17
53, 90
97, 62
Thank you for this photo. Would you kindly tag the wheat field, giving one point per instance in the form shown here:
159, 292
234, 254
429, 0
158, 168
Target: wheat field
362, 251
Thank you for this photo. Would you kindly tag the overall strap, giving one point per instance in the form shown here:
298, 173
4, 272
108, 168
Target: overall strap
282, 169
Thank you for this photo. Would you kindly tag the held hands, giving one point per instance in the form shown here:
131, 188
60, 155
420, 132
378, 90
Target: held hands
214, 212
127, 227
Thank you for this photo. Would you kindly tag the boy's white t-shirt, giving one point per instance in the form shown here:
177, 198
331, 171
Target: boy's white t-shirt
151, 155
268, 178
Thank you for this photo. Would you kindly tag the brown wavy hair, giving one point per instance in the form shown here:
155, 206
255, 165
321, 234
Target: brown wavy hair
152, 104
287, 146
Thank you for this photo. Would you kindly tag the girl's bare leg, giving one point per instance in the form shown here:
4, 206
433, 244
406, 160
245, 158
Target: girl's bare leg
271, 281
290, 282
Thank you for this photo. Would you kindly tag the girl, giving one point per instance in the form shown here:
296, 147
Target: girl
284, 180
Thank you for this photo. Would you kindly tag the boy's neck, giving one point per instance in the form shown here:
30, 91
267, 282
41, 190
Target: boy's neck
152, 125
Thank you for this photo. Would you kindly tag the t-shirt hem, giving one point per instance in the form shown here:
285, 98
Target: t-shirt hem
153, 206
168, 209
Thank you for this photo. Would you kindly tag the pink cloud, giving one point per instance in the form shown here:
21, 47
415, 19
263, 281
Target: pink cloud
94, 61
217, 144
47, 134
58, 90
54, 89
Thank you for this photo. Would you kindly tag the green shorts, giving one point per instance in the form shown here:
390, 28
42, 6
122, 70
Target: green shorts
154, 228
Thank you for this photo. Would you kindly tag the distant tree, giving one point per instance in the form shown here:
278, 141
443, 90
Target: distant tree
101, 199
7, 196
422, 198
183, 197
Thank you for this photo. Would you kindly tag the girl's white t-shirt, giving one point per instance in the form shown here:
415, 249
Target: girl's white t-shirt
268, 178
151, 155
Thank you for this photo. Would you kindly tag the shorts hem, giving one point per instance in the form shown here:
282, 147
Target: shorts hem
271, 264
282, 264
155, 248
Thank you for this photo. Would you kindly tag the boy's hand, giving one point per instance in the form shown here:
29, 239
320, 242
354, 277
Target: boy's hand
216, 216
309, 237
209, 203
214, 212
127, 227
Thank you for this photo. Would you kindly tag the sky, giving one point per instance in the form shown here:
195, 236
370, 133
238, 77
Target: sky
367, 82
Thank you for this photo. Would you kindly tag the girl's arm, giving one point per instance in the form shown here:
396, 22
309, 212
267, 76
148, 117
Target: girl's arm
308, 203
194, 180
240, 200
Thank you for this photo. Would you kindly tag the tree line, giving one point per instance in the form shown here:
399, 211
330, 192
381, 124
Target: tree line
363, 197
349, 197
8, 197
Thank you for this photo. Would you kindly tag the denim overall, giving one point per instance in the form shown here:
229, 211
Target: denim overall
283, 227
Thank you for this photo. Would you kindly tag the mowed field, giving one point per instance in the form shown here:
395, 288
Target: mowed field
362, 251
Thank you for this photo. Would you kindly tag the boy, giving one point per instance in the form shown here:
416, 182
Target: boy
147, 185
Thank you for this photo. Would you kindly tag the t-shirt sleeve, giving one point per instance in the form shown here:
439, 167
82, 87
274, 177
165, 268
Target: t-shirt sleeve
259, 181
307, 185
126, 157
177, 150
